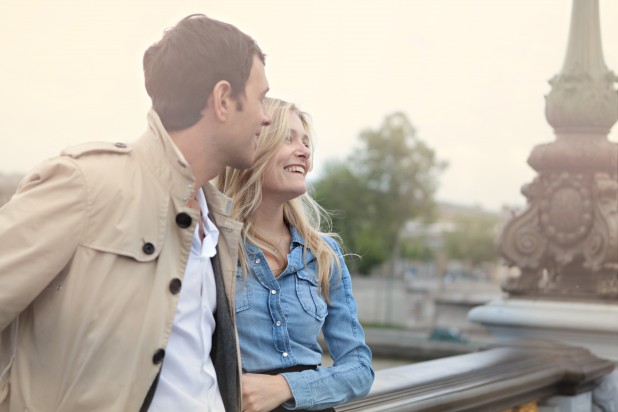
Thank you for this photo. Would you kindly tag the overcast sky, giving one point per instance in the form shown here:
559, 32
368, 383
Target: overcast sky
470, 74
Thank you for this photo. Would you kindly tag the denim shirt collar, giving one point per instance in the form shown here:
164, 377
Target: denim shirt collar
297, 246
297, 240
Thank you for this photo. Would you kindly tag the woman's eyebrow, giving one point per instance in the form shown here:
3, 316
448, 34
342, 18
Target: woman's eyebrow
295, 133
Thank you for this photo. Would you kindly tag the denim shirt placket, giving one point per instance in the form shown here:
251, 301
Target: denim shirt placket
268, 280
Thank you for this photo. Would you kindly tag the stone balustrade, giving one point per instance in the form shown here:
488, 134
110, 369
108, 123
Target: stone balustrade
497, 378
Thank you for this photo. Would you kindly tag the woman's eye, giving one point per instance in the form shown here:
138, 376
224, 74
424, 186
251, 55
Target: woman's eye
287, 139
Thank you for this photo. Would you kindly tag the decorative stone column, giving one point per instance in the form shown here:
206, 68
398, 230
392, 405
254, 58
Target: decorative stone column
565, 242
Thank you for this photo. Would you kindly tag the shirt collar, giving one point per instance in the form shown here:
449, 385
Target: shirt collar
297, 239
210, 230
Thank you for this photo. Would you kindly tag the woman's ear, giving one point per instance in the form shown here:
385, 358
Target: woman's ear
222, 102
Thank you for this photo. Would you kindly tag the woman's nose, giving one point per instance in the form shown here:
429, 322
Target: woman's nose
303, 151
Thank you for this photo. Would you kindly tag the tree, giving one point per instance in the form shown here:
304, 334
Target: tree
384, 183
472, 239
417, 248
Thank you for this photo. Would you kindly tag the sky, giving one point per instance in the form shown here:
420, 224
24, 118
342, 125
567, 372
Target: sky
471, 75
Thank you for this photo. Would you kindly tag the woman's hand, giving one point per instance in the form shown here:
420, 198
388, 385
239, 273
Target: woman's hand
263, 393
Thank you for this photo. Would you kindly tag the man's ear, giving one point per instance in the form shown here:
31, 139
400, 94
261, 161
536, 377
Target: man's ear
222, 101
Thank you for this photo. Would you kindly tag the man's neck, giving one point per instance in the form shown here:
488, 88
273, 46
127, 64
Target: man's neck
203, 162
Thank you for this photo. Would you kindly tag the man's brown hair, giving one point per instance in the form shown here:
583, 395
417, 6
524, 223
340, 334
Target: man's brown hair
182, 68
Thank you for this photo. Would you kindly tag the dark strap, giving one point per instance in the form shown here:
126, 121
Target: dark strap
224, 352
282, 409
297, 368
150, 394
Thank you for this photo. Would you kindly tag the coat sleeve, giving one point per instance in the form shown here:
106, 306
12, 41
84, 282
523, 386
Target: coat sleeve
40, 228
351, 375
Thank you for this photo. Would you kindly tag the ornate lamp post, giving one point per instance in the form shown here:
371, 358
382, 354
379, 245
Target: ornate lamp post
566, 241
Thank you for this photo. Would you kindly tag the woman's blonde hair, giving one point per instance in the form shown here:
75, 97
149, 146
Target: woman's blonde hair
304, 213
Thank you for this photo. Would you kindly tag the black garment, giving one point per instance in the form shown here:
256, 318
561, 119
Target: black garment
150, 394
297, 368
224, 352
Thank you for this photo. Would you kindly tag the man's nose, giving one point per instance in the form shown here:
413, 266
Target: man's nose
266, 119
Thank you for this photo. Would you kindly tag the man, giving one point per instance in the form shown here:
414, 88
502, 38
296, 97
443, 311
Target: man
108, 298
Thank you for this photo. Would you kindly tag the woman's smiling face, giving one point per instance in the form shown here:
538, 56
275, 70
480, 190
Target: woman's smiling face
285, 175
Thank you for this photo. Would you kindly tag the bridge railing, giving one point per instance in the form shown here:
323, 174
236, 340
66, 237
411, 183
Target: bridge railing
497, 378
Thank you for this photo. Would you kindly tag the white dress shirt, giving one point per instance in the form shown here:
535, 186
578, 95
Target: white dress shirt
188, 381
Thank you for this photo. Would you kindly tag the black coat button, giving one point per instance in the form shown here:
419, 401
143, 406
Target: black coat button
175, 285
158, 356
148, 248
183, 220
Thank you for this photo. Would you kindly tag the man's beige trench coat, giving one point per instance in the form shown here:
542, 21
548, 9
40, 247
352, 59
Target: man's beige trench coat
93, 249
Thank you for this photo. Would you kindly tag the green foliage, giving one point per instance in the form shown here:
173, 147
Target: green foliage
417, 249
389, 180
473, 239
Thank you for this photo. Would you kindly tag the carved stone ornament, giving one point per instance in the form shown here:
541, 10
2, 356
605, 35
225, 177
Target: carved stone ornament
576, 153
583, 98
582, 103
566, 209
565, 243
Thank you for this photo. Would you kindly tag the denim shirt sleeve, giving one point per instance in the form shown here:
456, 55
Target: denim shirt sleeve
351, 375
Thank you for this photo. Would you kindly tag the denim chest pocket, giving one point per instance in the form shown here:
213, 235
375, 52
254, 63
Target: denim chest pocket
309, 294
243, 293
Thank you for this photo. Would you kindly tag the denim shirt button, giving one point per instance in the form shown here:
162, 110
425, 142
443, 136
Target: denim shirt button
285, 354
274, 292
257, 261
278, 323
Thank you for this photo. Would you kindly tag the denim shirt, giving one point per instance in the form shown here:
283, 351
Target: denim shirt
279, 320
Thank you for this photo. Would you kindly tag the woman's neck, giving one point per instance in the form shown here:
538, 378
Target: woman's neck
268, 220
269, 223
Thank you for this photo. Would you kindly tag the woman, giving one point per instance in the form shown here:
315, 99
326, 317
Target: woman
292, 281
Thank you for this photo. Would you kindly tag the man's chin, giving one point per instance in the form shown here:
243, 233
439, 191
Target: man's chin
243, 164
